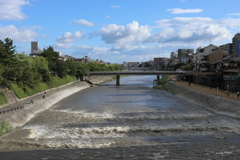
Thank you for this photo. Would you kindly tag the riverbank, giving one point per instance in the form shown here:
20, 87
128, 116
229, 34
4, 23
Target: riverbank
20, 117
212, 99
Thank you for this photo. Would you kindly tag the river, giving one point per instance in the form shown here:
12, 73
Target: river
130, 121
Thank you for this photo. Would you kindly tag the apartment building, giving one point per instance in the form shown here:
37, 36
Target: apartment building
236, 44
226, 48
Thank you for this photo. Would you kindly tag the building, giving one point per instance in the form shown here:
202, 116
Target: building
226, 48
183, 53
236, 44
35, 50
201, 52
205, 65
132, 64
173, 55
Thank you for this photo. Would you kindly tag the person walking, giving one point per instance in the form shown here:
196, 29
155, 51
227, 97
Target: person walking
238, 94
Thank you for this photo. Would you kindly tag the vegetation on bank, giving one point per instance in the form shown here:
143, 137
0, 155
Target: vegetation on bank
4, 128
3, 99
164, 79
165, 87
26, 75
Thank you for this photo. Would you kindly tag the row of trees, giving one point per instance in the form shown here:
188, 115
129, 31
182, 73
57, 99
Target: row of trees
27, 75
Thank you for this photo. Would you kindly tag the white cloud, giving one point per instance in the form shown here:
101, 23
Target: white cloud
83, 22
95, 52
18, 35
63, 45
83, 47
131, 33
196, 29
68, 37
183, 1
115, 6
234, 14
12, 9
107, 16
181, 11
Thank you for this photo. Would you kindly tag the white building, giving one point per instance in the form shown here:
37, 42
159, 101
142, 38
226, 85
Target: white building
201, 52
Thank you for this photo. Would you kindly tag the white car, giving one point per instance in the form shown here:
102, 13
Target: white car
179, 70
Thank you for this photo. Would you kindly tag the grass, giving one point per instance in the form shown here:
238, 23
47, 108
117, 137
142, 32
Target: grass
3, 99
4, 128
167, 88
164, 79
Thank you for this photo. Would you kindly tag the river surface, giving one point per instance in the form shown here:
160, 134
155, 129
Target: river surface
130, 121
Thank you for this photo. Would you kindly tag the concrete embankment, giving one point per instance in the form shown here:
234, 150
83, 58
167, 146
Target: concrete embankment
215, 103
20, 117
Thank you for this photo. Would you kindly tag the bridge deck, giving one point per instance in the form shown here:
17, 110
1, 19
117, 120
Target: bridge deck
138, 73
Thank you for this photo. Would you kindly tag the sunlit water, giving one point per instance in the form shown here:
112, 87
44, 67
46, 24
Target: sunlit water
132, 121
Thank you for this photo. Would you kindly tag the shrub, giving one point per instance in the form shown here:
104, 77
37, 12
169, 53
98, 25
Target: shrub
3, 99
18, 91
4, 128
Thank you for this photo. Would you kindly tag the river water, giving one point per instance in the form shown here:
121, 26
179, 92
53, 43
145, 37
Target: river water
130, 121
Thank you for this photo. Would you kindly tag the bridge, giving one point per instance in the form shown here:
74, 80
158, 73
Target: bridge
119, 73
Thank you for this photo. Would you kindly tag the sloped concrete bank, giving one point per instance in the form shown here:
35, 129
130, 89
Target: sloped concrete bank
21, 117
215, 103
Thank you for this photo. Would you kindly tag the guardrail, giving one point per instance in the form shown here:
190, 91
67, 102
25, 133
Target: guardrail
10, 110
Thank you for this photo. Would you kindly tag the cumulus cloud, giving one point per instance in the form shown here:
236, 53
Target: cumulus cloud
68, 37
12, 9
83, 22
95, 51
18, 34
182, 11
196, 29
131, 33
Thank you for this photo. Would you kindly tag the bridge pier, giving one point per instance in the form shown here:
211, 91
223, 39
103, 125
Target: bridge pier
117, 80
158, 80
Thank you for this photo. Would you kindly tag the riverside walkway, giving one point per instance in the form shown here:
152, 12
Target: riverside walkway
205, 89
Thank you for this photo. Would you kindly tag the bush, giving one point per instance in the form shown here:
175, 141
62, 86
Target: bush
56, 81
3, 99
19, 92
4, 128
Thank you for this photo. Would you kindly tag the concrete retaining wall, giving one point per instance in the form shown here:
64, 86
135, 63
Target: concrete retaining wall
21, 117
215, 103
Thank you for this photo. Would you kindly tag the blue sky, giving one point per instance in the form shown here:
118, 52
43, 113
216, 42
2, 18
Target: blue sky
119, 30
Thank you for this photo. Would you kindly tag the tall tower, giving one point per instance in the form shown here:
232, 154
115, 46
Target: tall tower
34, 46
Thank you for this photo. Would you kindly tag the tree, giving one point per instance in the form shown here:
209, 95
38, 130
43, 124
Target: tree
53, 58
178, 65
7, 52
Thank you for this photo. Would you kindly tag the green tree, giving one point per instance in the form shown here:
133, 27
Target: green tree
52, 57
7, 52
178, 65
